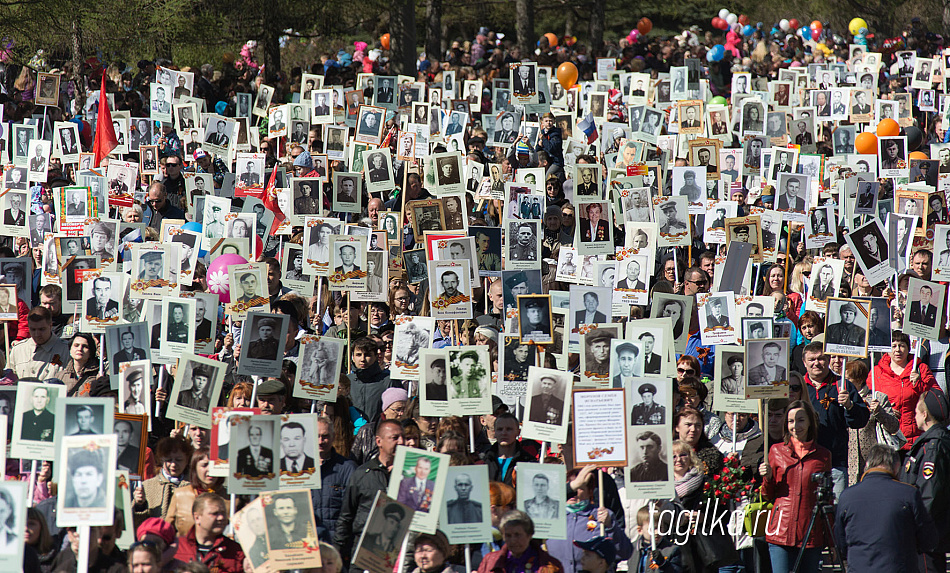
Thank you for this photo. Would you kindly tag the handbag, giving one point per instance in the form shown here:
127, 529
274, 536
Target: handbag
757, 517
897, 440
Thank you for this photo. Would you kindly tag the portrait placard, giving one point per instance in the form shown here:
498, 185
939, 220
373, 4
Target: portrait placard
14, 495
248, 282
198, 383
255, 443
88, 476
879, 325
418, 481
869, 245
595, 354
433, 383
318, 368
730, 380
767, 360
926, 312
846, 327
548, 405
34, 421
262, 348
77, 416
178, 328
299, 455
542, 496
135, 388
347, 261
466, 505
450, 294
412, 334
155, 270
524, 245
386, 528
826, 276
717, 317
126, 343
470, 380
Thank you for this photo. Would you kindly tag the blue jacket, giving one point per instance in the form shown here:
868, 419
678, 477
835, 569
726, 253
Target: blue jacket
551, 142
335, 474
834, 420
570, 555
881, 520
153, 218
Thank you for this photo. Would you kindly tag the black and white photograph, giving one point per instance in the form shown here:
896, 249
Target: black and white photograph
542, 496
752, 117
67, 142
47, 89
595, 354
689, 182
377, 169
507, 128
672, 216
38, 161
347, 192
198, 383
254, 448
13, 510
892, 152
745, 230
548, 404
650, 459
126, 343
248, 282
34, 420
534, 312
589, 305
178, 328
317, 368
524, 82
825, 279
22, 136
262, 348
451, 287
295, 275
103, 300
151, 271
678, 309
410, 338
135, 385
415, 265
15, 178
433, 374
524, 245
448, 172
386, 527
88, 478
767, 362
299, 458
250, 170
218, 134
347, 263
870, 248
866, 202
594, 228
370, 124
794, 192
718, 318
879, 325
14, 216
290, 525
846, 327
466, 515
84, 417
631, 278
926, 309
782, 161
626, 362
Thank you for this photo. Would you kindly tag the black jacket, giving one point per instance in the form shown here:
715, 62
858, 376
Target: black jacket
881, 520
927, 466
335, 474
357, 503
366, 390
495, 470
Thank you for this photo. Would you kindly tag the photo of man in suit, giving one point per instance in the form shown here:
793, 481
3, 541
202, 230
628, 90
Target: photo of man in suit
590, 314
921, 311
293, 440
541, 506
37, 424
652, 362
632, 280
127, 452
652, 467
15, 215
546, 406
463, 509
417, 491
218, 138
128, 352
523, 81
825, 286
101, 306
790, 201
255, 460
769, 371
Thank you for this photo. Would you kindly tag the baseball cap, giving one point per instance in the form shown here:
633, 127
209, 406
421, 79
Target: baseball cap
601, 546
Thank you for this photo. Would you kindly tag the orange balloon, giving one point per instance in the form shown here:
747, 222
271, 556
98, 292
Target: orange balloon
918, 155
888, 127
567, 75
384, 40
552, 39
644, 26
866, 143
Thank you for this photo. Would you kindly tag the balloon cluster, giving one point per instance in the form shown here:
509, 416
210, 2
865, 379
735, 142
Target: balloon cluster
866, 143
644, 26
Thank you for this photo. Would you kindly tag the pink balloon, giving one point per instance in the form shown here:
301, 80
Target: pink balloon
634, 35
218, 275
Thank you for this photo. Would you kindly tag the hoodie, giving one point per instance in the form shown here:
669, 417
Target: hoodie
366, 389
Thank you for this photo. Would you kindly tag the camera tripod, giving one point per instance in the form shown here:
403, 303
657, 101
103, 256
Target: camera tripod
826, 510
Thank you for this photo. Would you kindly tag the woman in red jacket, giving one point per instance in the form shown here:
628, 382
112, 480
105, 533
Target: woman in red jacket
788, 482
893, 375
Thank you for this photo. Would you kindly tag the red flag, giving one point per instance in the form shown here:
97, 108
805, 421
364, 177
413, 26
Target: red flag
270, 202
106, 139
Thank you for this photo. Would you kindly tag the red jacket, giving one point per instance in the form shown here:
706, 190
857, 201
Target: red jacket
226, 555
902, 393
794, 495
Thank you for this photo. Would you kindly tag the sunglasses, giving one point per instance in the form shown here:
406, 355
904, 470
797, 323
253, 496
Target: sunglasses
685, 371
795, 387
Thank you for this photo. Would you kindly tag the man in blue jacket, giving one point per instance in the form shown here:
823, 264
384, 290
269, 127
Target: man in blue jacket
881, 520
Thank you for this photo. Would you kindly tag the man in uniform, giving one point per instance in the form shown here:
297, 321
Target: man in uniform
128, 352
541, 506
435, 380
546, 408
672, 224
845, 331
769, 371
306, 204
715, 317
42, 355
535, 325
249, 285
86, 486
690, 189
462, 509
651, 468
266, 346
198, 397
466, 384
85, 418
648, 412
525, 248
38, 422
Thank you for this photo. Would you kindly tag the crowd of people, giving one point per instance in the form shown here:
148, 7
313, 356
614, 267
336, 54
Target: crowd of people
778, 203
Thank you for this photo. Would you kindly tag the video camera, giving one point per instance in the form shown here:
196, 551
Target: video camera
825, 487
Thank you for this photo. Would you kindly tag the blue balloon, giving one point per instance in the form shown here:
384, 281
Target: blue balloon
806, 32
716, 53
195, 227
748, 30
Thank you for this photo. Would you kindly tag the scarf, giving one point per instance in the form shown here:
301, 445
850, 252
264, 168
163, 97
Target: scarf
578, 506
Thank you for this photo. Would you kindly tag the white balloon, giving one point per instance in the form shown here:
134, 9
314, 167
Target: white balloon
783, 24
723, 13
732, 19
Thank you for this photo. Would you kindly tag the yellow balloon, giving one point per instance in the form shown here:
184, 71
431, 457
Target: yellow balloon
856, 24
